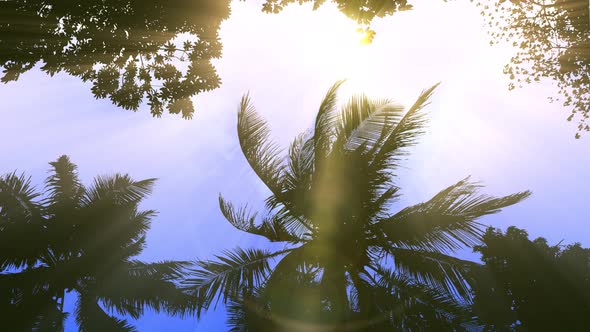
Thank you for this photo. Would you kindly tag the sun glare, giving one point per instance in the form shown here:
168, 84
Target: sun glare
365, 36
332, 39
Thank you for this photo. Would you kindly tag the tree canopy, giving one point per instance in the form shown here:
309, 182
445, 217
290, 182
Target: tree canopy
529, 285
363, 11
130, 50
552, 38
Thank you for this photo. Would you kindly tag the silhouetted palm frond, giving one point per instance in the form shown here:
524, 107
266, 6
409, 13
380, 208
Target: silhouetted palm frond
63, 185
20, 218
224, 277
272, 227
91, 317
261, 154
446, 222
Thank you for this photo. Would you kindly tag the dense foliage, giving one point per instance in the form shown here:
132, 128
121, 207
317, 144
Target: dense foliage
130, 50
552, 38
363, 11
529, 285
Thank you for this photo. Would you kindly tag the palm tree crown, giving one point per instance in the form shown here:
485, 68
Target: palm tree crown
349, 262
80, 239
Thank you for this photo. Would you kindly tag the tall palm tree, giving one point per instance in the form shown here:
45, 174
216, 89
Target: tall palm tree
330, 205
80, 239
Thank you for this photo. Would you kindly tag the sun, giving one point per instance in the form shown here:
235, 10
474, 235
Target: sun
334, 43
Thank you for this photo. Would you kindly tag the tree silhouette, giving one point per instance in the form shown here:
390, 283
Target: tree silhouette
130, 50
363, 11
553, 41
531, 286
347, 261
79, 239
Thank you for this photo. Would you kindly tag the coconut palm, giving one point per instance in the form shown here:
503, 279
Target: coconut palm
80, 240
330, 204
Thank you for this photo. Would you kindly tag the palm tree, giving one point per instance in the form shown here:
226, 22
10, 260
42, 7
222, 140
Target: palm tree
82, 240
330, 205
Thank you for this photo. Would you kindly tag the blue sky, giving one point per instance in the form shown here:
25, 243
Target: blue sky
511, 141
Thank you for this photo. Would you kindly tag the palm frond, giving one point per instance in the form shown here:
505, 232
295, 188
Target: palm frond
263, 157
111, 230
51, 319
90, 317
241, 218
393, 143
120, 189
301, 157
363, 121
414, 305
132, 287
33, 280
140, 222
261, 154
63, 185
17, 197
293, 221
378, 207
21, 217
24, 310
325, 123
446, 222
209, 281
296, 181
287, 272
248, 313
435, 270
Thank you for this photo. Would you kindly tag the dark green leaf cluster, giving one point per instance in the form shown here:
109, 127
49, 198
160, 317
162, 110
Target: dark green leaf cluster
552, 38
80, 239
531, 286
130, 51
330, 204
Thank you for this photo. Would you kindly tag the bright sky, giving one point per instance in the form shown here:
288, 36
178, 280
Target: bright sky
511, 141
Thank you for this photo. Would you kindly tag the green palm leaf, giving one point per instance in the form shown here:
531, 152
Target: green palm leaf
394, 142
271, 228
134, 286
17, 197
237, 269
363, 121
325, 123
23, 310
248, 313
120, 189
20, 218
297, 179
262, 155
447, 221
435, 270
417, 305
63, 185
91, 317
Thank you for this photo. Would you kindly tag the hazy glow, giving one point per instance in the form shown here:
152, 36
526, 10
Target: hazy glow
511, 141
337, 42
